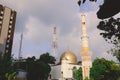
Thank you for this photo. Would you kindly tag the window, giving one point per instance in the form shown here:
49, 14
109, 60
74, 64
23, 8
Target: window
10, 26
6, 51
1, 17
8, 41
1, 12
11, 22
83, 22
11, 17
0, 22
7, 45
8, 36
9, 31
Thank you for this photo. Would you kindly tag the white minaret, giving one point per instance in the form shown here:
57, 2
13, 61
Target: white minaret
85, 54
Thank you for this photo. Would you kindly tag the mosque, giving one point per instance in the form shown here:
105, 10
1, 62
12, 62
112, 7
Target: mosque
68, 60
65, 70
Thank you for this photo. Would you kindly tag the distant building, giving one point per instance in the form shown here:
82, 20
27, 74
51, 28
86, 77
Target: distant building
7, 25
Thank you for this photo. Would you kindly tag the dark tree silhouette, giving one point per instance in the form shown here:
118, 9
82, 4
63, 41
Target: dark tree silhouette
83, 1
111, 32
47, 58
108, 9
39, 69
6, 66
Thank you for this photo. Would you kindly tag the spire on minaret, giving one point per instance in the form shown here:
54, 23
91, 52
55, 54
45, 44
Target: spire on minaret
86, 53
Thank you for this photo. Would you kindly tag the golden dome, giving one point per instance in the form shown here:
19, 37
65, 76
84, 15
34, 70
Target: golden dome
68, 55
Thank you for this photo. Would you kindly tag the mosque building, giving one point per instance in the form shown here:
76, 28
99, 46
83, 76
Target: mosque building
65, 70
68, 64
68, 60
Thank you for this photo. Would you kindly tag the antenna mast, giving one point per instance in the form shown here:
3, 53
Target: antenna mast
19, 56
54, 44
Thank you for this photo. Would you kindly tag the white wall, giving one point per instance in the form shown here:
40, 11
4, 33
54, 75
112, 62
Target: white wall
56, 72
63, 71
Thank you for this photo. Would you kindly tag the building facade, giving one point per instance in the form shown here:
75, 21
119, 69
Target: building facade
66, 69
7, 26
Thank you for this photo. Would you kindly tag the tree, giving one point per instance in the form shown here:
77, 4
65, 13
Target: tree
11, 76
83, 1
5, 67
47, 58
111, 33
107, 10
39, 69
103, 69
78, 74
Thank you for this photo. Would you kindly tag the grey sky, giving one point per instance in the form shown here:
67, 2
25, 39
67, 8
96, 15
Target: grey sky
36, 18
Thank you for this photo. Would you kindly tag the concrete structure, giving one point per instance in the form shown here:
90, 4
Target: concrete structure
21, 75
86, 53
65, 70
7, 25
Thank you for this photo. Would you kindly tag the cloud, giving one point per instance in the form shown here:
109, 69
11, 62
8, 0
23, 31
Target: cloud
36, 18
108, 56
37, 31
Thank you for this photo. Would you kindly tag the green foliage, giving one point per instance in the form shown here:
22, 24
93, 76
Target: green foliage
47, 58
78, 74
89, 79
6, 66
79, 62
11, 76
103, 69
39, 69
